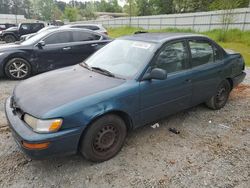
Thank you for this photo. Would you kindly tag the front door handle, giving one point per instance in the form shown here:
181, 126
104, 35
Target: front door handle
67, 48
188, 80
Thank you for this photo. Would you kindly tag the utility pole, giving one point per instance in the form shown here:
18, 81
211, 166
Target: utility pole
129, 13
16, 12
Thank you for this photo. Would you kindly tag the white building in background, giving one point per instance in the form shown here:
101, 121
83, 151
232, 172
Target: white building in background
11, 18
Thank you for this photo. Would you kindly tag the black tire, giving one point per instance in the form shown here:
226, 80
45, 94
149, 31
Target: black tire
219, 100
9, 38
104, 138
17, 69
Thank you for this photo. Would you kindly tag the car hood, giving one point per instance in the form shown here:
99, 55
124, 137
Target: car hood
10, 46
231, 52
45, 92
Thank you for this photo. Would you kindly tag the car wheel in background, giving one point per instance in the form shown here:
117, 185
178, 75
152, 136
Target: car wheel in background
9, 38
18, 69
104, 138
219, 100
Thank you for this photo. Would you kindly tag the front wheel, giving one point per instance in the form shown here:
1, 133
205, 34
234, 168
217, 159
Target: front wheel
17, 69
9, 39
219, 100
104, 138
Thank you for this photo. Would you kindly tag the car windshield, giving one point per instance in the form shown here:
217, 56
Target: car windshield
124, 58
35, 38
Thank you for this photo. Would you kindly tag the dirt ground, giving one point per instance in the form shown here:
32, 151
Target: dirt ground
212, 150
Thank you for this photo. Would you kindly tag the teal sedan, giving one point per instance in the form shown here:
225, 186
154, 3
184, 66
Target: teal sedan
133, 81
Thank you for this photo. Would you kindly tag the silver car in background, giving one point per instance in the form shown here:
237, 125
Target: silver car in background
94, 27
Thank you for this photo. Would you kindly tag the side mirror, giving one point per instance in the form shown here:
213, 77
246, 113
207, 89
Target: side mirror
40, 44
157, 74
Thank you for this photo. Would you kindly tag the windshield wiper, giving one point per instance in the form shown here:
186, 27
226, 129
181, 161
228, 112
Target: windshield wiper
85, 65
106, 72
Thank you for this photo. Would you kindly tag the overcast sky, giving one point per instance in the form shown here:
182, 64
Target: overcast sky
121, 2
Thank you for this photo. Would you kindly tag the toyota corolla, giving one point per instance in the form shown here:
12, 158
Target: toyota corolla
133, 81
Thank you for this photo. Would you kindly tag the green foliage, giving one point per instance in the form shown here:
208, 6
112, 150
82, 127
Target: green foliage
45, 8
88, 12
131, 8
71, 13
145, 7
227, 17
108, 6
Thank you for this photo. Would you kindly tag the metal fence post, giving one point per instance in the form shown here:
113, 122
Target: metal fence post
194, 21
175, 21
244, 22
210, 22
148, 22
160, 21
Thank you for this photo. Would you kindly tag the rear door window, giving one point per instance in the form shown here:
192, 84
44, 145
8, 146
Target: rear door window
84, 36
56, 38
202, 52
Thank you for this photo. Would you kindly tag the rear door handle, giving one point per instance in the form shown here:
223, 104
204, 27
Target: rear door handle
94, 45
67, 48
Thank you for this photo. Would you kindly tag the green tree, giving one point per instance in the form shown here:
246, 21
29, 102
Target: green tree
45, 9
88, 12
144, 7
71, 13
130, 8
163, 6
57, 14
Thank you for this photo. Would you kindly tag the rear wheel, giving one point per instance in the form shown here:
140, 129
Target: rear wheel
9, 38
219, 100
17, 69
104, 138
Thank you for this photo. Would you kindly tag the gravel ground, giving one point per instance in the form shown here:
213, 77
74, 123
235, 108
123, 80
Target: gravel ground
212, 150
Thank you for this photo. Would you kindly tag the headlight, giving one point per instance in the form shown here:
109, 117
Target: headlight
43, 126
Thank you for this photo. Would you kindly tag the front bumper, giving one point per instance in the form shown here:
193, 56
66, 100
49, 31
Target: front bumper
64, 142
238, 79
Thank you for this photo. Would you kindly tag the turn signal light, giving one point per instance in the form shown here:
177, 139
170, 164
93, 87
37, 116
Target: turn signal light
35, 146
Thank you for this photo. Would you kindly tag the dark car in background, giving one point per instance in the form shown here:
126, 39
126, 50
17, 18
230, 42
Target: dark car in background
25, 37
48, 50
6, 26
132, 81
93, 27
7, 30
23, 29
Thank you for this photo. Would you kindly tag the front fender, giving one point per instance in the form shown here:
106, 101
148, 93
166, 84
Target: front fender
8, 55
10, 33
84, 111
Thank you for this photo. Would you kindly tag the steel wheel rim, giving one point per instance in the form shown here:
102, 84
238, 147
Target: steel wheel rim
105, 139
221, 95
9, 39
18, 69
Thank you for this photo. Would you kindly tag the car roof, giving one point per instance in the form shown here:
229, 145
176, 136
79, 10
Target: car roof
75, 29
160, 37
85, 24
